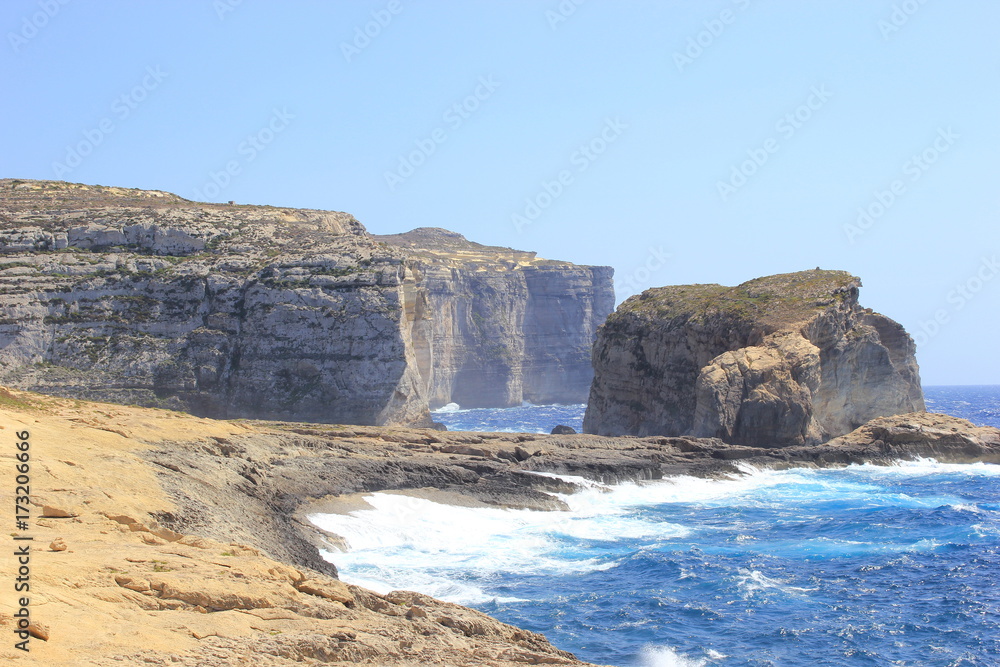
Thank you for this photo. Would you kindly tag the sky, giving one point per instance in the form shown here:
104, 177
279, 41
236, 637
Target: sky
679, 141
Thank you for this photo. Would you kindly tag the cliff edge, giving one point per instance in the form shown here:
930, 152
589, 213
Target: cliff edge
784, 360
143, 297
493, 326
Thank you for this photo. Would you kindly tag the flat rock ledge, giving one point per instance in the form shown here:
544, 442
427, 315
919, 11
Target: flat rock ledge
191, 533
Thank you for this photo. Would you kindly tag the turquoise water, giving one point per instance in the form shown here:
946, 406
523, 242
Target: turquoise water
858, 566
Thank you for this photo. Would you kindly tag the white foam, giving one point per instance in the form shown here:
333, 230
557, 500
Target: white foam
582, 482
451, 407
930, 466
417, 544
461, 553
751, 582
665, 656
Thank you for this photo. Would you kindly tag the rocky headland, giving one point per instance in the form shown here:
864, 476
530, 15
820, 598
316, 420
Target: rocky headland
143, 297
779, 361
163, 538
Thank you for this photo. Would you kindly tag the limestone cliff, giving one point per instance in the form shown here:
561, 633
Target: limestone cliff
144, 297
785, 360
494, 326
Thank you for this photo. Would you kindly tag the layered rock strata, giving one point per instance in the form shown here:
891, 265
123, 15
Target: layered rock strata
493, 327
143, 297
785, 360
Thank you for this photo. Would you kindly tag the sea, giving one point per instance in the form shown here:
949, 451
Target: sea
865, 565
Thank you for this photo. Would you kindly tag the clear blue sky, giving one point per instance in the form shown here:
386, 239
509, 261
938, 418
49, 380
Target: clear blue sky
678, 141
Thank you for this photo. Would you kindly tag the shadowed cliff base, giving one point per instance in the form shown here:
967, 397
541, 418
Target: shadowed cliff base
785, 360
191, 532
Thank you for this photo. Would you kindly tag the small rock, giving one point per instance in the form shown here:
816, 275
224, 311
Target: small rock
58, 544
39, 631
416, 612
562, 429
438, 426
199, 542
57, 512
331, 589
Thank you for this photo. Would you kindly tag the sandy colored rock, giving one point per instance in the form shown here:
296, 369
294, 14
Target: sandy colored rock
125, 595
39, 631
58, 513
58, 544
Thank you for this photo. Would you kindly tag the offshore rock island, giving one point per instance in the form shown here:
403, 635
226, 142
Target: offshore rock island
784, 360
142, 297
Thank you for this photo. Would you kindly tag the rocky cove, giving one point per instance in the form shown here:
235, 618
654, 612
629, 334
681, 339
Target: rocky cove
192, 533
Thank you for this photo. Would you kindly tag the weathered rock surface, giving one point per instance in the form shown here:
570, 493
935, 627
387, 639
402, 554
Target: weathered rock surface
123, 588
494, 327
192, 533
778, 361
142, 297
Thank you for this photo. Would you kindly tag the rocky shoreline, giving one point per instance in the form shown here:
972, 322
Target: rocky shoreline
192, 533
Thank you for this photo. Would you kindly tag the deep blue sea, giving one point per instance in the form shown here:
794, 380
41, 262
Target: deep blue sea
863, 565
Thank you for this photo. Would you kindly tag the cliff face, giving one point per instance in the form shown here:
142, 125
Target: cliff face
143, 297
494, 327
784, 360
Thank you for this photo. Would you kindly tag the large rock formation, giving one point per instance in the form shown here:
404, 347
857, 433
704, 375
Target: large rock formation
785, 360
143, 297
494, 327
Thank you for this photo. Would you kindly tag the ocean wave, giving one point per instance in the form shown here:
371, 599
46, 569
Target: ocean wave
666, 656
929, 466
751, 582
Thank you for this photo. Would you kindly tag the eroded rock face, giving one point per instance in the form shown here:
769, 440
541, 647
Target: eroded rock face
778, 361
494, 326
142, 297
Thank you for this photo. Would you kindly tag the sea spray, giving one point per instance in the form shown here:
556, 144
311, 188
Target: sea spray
793, 567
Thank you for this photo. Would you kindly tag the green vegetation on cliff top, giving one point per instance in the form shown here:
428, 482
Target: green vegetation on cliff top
782, 298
